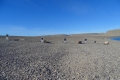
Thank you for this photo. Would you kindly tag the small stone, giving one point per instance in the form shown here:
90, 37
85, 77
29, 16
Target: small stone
36, 65
3, 74
55, 70
77, 74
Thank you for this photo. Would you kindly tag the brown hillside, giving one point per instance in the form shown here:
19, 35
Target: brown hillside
113, 32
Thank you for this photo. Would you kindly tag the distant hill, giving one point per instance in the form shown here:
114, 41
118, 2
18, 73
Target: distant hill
92, 33
115, 32
86, 34
57, 35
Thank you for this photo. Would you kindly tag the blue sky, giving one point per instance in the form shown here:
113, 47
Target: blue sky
46, 17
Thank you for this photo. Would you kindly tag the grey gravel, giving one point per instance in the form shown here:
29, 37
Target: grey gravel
30, 59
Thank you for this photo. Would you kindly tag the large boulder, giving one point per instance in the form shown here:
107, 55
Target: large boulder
106, 43
79, 42
44, 41
94, 41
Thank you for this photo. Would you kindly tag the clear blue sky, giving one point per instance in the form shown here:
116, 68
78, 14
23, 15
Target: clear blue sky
46, 17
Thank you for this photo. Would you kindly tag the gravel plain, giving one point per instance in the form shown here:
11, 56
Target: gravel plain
32, 60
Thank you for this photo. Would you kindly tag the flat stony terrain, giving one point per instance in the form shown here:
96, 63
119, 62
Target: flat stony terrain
29, 59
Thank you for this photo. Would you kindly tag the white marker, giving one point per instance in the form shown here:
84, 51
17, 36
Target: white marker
42, 40
7, 37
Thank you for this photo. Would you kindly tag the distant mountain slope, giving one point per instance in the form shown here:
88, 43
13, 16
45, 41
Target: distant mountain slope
115, 32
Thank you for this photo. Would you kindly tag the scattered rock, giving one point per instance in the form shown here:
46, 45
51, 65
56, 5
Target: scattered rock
79, 42
16, 39
94, 41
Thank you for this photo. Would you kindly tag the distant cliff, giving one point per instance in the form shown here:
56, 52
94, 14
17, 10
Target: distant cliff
113, 32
